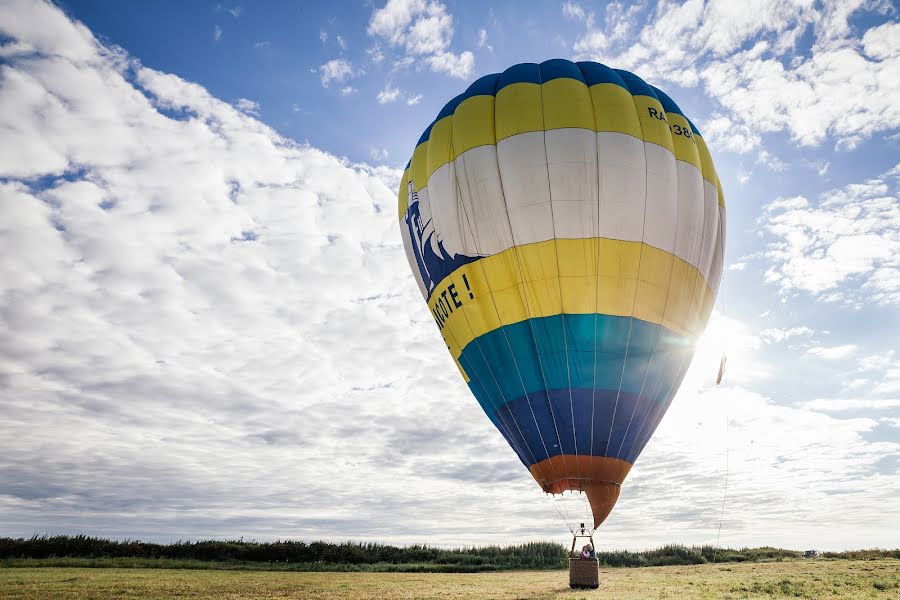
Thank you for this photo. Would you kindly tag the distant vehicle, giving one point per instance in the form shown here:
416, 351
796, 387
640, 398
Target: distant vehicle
811, 554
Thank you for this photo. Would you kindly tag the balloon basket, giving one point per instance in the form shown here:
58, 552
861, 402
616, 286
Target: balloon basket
584, 573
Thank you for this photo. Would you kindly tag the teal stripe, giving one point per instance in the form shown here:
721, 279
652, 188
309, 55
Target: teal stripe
601, 352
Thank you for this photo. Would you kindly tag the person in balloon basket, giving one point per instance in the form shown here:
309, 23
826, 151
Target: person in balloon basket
587, 552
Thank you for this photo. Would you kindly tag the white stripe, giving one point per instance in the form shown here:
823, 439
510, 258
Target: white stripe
492, 198
662, 198
710, 227
526, 187
623, 186
689, 236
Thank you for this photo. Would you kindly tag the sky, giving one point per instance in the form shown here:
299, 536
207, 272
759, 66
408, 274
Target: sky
209, 328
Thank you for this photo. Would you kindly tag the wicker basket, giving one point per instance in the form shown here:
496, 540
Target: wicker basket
584, 573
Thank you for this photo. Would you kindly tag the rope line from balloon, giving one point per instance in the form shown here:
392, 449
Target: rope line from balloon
724, 489
725, 485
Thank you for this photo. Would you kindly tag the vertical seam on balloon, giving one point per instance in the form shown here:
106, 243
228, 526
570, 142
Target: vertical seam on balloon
528, 314
515, 253
637, 282
562, 312
596, 256
478, 344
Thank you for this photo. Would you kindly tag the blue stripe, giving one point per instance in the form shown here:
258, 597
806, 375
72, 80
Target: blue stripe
595, 73
485, 86
635, 85
558, 68
425, 134
511, 368
667, 103
606, 423
450, 107
693, 127
521, 73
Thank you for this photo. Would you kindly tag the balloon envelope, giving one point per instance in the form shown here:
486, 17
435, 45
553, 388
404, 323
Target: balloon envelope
565, 225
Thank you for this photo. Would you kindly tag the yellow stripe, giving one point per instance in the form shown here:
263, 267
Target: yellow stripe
567, 103
557, 104
439, 150
518, 110
654, 126
473, 124
683, 140
524, 282
418, 165
614, 109
706, 161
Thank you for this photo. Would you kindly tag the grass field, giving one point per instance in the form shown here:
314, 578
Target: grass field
792, 579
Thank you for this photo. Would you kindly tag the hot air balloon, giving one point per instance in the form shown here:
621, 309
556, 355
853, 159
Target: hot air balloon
565, 225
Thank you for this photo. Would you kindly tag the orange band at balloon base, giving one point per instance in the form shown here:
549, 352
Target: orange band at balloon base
599, 477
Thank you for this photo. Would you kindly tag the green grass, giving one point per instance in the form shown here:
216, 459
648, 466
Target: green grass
819, 579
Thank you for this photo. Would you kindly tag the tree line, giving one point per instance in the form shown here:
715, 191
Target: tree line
300, 555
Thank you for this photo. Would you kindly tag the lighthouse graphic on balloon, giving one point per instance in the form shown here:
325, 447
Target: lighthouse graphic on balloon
432, 259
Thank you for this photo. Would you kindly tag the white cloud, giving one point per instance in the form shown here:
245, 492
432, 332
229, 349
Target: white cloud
376, 55
378, 154
724, 134
776, 334
348, 90
251, 107
336, 70
833, 352
323, 36
423, 30
455, 65
882, 42
745, 55
573, 10
413, 100
738, 266
235, 11
841, 405
342, 43
483, 40
874, 362
388, 94
217, 33
773, 163
852, 233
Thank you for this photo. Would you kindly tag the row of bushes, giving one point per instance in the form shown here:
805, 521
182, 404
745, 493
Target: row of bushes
533, 555
369, 556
